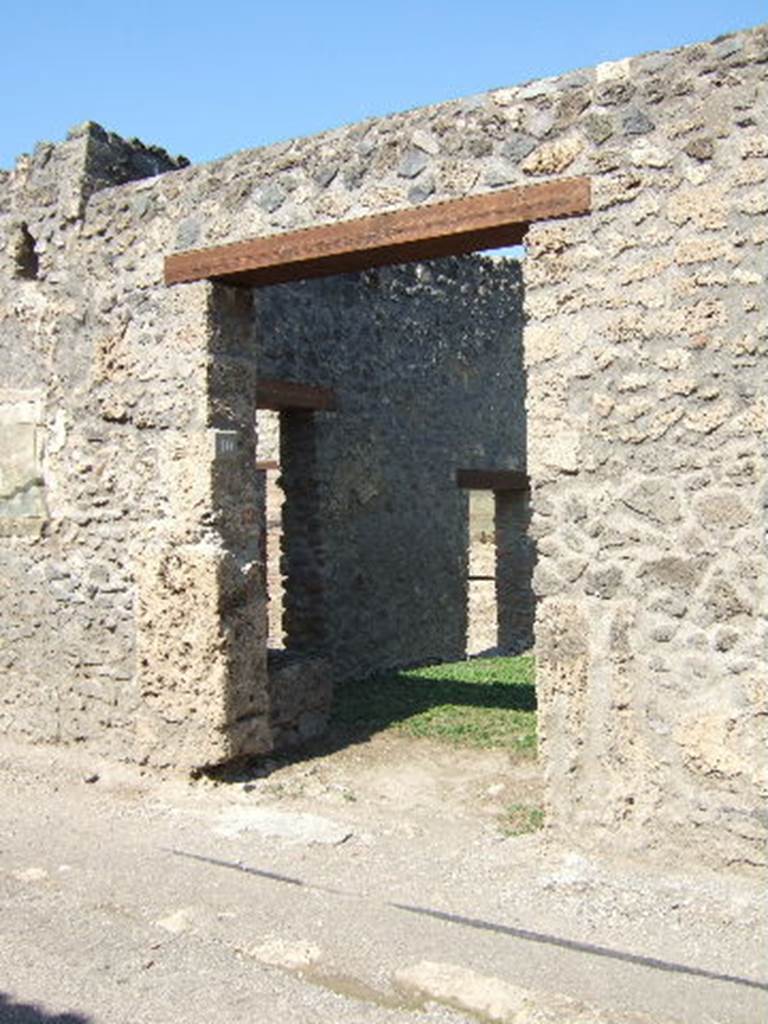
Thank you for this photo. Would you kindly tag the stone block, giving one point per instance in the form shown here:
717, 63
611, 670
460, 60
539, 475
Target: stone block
22, 490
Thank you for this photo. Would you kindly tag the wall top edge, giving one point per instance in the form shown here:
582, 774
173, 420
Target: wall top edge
745, 45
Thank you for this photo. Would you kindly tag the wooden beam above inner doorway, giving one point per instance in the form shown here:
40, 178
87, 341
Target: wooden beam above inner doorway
492, 479
282, 395
439, 229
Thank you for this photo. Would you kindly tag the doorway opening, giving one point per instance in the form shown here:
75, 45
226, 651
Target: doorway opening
500, 561
299, 681
391, 312
272, 498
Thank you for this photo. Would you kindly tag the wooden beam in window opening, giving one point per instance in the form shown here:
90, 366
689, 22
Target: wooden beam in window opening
492, 479
448, 228
284, 394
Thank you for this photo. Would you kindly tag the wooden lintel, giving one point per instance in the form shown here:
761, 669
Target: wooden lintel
492, 479
439, 229
283, 394
268, 464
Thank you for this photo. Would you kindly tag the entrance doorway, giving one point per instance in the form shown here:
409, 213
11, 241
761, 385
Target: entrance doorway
397, 591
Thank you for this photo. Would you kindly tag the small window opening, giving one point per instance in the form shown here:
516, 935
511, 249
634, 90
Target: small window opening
25, 258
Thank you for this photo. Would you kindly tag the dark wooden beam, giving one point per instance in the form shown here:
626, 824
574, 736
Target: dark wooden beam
284, 394
268, 465
492, 479
438, 229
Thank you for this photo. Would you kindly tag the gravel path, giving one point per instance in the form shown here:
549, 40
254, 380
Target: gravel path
375, 884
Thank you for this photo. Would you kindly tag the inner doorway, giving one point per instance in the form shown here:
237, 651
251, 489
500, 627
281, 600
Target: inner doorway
500, 562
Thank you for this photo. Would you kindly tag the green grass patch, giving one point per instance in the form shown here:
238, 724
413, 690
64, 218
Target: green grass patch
520, 819
484, 702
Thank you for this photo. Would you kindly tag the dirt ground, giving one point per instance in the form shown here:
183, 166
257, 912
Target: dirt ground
374, 883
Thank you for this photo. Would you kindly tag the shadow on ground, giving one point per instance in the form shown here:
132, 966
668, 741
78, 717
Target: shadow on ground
363, 708
12, 1012
384, 701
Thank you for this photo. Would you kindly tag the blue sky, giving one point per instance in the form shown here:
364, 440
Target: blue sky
207, 79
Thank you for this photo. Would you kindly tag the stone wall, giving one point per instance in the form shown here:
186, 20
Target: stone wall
68, 633
646, 351
515, 564
110, 471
